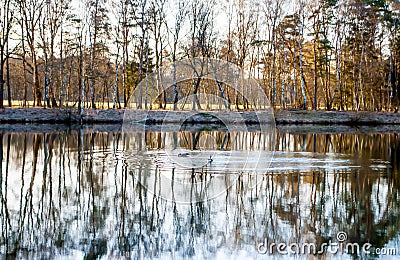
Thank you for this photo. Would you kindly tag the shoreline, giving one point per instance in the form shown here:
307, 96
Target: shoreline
298, 129
114, 116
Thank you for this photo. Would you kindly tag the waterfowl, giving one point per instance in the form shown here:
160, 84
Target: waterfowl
183, 154
210, 160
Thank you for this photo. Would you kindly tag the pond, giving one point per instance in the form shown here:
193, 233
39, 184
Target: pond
202, 192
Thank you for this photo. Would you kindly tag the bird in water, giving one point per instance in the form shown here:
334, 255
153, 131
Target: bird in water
210, 160
183, 154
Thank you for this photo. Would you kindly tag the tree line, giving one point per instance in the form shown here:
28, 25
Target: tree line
321, 54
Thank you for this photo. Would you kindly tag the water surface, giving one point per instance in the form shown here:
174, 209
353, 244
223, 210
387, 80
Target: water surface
90, 193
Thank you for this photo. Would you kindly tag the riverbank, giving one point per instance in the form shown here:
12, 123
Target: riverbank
117, 128
114, 116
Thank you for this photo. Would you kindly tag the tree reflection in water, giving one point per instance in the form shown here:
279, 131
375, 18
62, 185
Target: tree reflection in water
73, 193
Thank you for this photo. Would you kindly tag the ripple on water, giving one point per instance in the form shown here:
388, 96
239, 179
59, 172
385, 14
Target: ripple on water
247, 161
230, 161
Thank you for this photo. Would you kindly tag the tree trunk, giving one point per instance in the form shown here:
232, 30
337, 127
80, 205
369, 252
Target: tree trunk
93, 46
316, 30
360, 76
146, 101
46, 80
274, 67
82, 83
283, 83
8, 78
175, 90
141, 52
115, 84
338, 73
62, 84
221, 90
91, 69
38, 92
355, 86
24, 65
1, 88
124, 72
303, 90
51, 69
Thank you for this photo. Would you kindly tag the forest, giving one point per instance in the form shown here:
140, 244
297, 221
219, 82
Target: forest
319, 54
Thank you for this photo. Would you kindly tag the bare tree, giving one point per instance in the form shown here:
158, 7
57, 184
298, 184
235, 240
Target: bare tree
125, 13
143, 26
340, 26
121, 34
315, 17
301, 36
157, 15
49, 29
201, 13
246, 30
78, 45
31, 15
394, 74
273, 10
175, 30
96, 19
6, 22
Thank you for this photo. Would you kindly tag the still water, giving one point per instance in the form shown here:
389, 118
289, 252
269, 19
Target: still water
100, 193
